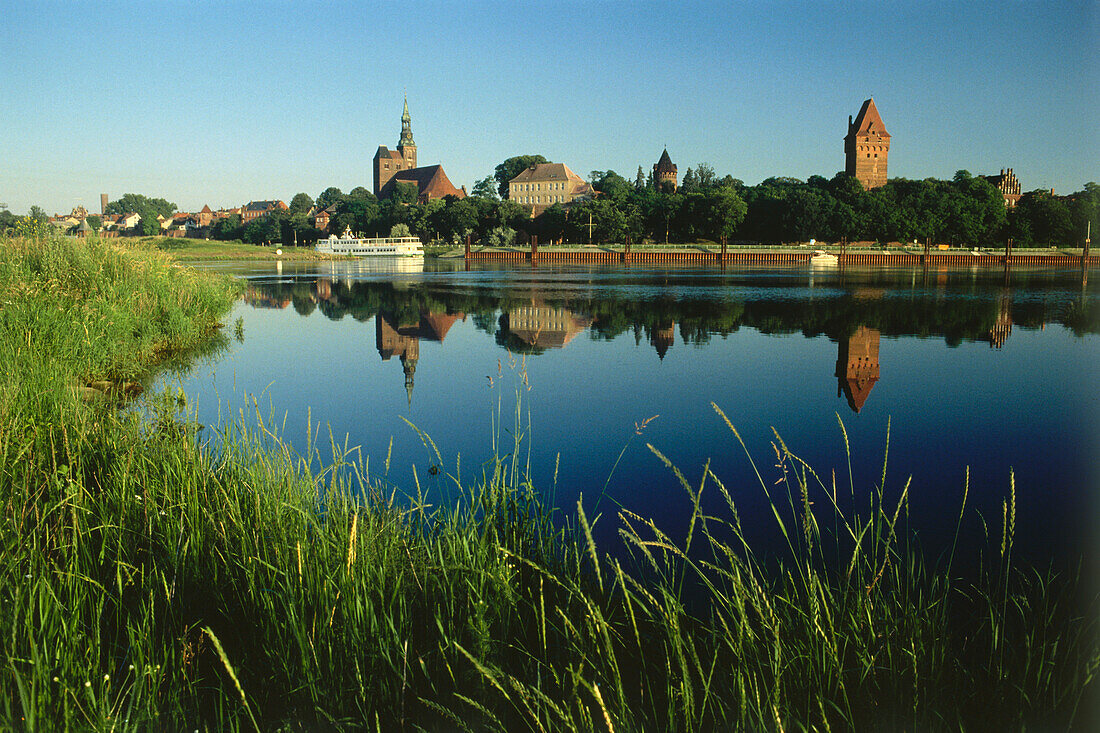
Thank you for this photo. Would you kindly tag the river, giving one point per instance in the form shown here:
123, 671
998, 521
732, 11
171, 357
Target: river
960, 369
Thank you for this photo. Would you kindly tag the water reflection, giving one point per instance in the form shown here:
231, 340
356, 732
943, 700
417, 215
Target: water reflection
857, 366
395, 337
985, 370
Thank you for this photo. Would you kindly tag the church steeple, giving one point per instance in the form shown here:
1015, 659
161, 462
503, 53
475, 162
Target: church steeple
406, 148
406, 127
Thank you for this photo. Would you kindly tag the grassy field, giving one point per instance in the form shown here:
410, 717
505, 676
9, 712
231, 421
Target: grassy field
160, 575
210, 249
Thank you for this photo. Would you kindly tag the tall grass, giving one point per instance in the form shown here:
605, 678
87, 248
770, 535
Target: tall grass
157, 577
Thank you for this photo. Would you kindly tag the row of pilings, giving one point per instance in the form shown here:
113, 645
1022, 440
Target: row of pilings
605, 256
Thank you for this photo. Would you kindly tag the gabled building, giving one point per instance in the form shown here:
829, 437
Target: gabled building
545, 184
1008, 185
205, 217
431, 183
255, 209
867, 147
322, 217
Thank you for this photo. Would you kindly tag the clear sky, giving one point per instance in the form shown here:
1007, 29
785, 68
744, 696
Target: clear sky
222, 103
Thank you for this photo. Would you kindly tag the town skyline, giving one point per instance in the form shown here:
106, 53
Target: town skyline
198, 114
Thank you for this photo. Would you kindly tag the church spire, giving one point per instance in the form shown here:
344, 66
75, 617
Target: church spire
406, 127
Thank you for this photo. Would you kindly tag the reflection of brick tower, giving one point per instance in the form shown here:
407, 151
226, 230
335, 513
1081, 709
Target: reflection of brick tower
664, 174
662, 339
866, 147
857, 366
392, 342
1002, 327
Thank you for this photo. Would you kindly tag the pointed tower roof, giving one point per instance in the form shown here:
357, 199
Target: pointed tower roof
868, 120
406, 128
664, 161
206, 210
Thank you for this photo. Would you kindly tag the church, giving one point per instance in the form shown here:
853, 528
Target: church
399, 166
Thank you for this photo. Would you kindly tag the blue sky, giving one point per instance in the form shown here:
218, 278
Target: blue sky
221, 103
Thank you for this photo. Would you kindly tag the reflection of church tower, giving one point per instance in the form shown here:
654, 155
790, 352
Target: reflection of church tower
392, 342
1002, 327
857, 366
662, 338
403, 340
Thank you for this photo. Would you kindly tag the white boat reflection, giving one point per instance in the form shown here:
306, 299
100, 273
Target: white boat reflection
352, 269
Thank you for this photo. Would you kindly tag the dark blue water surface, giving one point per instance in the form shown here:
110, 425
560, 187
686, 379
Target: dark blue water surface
959, 368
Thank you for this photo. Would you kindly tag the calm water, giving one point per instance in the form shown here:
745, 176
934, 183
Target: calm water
968, 368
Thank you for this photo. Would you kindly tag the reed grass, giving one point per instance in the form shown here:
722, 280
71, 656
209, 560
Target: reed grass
162, 576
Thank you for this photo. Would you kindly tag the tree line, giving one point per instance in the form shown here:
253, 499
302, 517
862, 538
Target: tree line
964, 211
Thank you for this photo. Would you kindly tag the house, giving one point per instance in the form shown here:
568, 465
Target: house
128, 221
545, 184
255, 209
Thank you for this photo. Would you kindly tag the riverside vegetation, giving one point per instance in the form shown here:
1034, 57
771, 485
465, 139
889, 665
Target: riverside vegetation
156, 576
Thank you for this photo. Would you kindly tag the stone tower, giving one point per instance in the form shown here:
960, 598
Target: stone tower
388, 162
664, 174
867, 147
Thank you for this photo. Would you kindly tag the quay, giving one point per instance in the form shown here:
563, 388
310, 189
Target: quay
704, 255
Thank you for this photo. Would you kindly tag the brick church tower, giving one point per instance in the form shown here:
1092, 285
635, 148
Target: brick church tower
867, 147
388, 162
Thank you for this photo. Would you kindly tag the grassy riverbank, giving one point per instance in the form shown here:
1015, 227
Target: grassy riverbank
186, 250
155, 578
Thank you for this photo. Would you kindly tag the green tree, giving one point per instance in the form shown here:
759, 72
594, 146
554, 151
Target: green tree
38, 214
511, 168
328, 197
360, 193
610, 184
486, 188
639, 180
400, 230
1043, 220
136, 203
149, 226
300, 204
226, 228
95, 222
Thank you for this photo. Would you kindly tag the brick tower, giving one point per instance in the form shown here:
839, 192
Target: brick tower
857, 366
867, 147
388, 162
664, 174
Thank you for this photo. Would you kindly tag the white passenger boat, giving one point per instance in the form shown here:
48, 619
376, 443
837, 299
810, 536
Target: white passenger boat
357, 246
821, 257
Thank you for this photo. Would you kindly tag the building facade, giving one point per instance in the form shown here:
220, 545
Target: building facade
543, 185
1008, 185
867, 147
664, 174
255, 209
